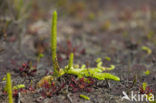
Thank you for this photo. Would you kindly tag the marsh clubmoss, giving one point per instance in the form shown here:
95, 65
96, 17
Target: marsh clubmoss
84, 97
54, 42
94, 72
20, 86
147, 49
71, 58
9, 88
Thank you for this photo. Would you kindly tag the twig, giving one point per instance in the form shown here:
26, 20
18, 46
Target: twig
18, 98
107, 83
69, 98
2, 82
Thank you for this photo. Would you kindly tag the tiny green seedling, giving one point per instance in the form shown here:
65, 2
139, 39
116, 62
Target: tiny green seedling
144, 85
107, 58
20, 86
84, 97
71, 58
147, 72
40, 55
147, 49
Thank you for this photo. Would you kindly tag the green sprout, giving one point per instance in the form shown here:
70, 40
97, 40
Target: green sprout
98, 60
18, 4
54, 42
18, 86
9, 87
84, 97
21, 8
150, 35
144, 85
40, 55
147, 49
107, 58
71, 60
147, 72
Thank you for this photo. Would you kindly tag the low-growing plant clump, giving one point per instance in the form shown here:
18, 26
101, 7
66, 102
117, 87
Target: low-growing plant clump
72, 78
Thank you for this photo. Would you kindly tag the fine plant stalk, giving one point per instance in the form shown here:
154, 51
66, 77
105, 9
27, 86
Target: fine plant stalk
9, 88
71, 58
18, 7
54, 42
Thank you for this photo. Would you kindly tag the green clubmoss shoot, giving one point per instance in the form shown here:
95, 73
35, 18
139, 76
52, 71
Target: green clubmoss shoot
9, 88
